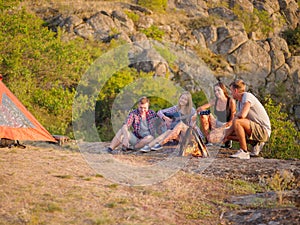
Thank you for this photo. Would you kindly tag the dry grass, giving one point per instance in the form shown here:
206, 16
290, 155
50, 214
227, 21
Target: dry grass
47, 185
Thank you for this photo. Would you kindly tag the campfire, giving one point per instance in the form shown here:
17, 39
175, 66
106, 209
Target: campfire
192, 145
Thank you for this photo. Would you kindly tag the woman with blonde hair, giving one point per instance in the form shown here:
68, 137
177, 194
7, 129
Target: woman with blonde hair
177, 119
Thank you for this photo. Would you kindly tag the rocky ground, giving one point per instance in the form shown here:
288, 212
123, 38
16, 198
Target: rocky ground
48, 184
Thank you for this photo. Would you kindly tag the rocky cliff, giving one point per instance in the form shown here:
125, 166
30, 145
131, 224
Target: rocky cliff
234, 38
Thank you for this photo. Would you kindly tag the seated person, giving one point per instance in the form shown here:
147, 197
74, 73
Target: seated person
183, 115
251, 122
142, 121
224, 110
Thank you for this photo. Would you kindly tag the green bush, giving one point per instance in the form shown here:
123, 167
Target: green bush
156, 5
292, 38
259, 20
39, 68
284, 140
154, 32
132, 15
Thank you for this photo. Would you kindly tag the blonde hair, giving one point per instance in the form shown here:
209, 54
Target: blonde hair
188, 108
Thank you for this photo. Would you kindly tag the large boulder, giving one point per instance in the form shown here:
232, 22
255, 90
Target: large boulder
147, 59
291, 11
229, 38
245, 5
279, 52
209, 33
251, 63
123, 22
103, 25
192, 7
222, 12
270, 6
84, 30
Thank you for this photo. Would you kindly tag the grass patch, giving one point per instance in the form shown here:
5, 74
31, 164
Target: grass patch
113, 186
63, 176
242, 187
196, 210
99, 175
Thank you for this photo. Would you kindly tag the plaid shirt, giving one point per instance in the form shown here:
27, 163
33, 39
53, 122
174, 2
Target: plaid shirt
134, 119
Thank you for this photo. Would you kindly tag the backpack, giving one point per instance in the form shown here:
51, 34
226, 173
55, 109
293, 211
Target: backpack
4, 142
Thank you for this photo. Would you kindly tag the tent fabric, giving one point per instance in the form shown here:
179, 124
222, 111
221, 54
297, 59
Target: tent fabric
16, 122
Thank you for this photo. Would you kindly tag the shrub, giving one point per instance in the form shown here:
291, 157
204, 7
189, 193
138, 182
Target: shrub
156, 5
284, 140
292, 38
40, 69
153, 32
258, 20
132, 15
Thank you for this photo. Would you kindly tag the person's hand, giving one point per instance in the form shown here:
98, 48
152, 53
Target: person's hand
168, 121
200, 109
194, 117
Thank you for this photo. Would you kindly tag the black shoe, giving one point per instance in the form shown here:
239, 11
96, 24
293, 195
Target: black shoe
228, 144
110, 151
125, 149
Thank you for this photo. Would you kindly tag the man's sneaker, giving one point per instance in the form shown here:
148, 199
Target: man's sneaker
156, 147
257, 149
209, 144
241, 154
146, 148
110, 151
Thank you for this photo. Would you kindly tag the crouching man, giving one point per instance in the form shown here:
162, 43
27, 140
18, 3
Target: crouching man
142, 120
251, 122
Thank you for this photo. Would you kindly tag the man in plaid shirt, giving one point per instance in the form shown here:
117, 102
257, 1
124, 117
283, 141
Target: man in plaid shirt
142, 120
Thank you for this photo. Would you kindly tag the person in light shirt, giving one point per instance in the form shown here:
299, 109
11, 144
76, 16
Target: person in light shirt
251, 122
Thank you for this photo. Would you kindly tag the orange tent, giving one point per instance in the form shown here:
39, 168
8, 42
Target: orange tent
16, 122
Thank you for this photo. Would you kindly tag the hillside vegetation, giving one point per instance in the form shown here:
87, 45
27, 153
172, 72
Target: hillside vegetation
43, 70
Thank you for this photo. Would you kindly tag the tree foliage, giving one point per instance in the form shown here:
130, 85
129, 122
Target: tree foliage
284, 140
40, 69
259, 20
156, 5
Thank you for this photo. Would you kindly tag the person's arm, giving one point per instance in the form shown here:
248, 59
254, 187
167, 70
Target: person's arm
129, 119
206, 106
245, 110
232, 106
161, 114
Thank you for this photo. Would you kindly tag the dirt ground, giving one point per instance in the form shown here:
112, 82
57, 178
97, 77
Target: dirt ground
48, 184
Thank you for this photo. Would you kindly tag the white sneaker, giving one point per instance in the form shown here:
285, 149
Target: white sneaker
257, 149
146, 148
241, 154
156, 147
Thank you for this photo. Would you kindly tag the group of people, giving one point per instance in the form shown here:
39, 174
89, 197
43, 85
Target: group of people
239, 118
